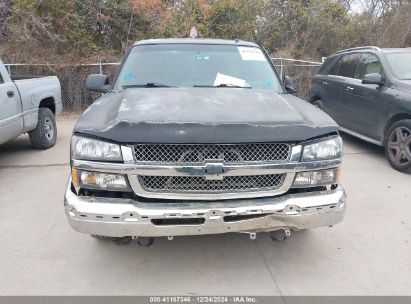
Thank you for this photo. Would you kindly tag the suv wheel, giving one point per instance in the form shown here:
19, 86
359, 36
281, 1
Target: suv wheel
398, 146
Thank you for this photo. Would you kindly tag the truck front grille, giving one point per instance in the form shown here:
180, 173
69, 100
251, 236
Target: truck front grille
188, 176
182, 154
199, 185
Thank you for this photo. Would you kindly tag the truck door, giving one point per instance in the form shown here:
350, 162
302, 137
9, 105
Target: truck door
11, 117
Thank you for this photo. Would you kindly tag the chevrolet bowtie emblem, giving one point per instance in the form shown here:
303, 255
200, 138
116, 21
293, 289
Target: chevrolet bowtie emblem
214, 171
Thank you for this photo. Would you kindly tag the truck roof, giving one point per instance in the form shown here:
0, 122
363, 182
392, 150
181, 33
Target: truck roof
195, 41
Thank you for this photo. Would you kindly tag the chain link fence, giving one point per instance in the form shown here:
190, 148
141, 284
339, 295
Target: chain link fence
76, 99
300, 70
72, 79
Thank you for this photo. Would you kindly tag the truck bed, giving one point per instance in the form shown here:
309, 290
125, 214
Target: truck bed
23, 77
34, 90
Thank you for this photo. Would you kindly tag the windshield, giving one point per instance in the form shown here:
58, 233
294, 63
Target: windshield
197, 65
400, 64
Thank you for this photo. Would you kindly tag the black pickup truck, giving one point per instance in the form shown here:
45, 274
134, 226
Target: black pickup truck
199, 136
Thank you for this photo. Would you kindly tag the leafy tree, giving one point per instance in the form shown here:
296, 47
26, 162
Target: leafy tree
83, 30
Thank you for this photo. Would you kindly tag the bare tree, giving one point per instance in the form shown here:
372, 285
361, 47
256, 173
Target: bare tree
5, 13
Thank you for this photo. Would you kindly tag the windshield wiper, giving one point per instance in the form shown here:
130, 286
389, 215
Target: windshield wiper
222, 85
147, 85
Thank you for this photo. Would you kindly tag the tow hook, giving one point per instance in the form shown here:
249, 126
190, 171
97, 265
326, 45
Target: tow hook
253, 236
280, 236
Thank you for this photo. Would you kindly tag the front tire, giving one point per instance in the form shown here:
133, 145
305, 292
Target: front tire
44, 136
398, 146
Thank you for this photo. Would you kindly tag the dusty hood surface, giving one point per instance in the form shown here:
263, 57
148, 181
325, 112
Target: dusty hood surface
203, 115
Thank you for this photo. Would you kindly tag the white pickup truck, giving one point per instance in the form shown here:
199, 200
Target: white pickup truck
29, 105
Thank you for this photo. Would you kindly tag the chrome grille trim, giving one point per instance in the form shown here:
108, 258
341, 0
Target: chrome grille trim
199, 185
135, 169
132, 170
230, 154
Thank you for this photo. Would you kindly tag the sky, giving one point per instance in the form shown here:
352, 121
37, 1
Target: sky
357, 6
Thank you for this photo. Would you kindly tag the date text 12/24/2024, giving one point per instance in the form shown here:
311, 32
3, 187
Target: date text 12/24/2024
203, 299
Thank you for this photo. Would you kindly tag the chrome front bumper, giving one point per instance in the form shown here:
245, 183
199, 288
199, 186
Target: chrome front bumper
116, 217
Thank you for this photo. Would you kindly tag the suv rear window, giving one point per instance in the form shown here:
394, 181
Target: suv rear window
348, 64
335, 68
330, 66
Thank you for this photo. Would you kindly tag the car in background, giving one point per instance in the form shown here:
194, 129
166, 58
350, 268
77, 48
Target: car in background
367, 90
29, 105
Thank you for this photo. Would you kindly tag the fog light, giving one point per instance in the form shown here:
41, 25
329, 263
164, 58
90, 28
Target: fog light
315, 178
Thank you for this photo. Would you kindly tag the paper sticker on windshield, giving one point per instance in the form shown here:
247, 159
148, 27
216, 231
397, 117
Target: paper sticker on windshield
222, 79
251, 53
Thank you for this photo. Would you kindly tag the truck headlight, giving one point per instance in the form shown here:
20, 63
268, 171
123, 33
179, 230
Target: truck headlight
100, 181
327, 149
316, 178
85, 148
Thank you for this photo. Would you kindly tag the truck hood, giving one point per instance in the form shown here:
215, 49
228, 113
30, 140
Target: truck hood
203, 115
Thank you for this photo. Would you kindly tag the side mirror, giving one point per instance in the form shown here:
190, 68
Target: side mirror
373, 78
289, 84
97, 83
